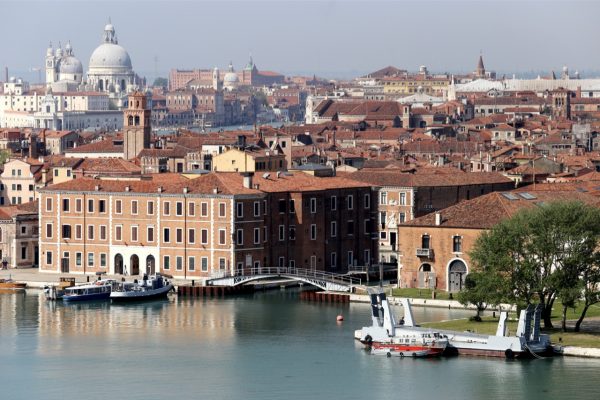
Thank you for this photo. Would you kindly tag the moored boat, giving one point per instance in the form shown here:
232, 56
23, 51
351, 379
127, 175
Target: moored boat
10, 284
155, 287
99, 290
412, 345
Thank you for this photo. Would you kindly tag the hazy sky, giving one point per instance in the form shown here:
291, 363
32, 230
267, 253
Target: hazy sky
330, 38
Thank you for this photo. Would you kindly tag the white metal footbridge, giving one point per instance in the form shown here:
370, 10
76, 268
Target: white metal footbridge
323, 280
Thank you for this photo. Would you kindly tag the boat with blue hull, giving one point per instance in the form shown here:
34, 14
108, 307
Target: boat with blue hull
99, 290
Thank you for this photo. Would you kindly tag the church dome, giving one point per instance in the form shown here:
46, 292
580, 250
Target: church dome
110, 55
70, 65
231, 77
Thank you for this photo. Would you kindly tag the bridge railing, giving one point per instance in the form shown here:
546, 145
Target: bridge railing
299, 272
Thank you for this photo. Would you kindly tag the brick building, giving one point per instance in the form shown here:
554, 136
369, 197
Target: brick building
211, 224
434, 250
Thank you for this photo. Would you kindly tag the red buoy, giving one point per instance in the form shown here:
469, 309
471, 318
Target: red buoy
340, 318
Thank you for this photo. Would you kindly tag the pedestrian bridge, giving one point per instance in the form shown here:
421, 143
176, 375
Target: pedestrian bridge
323, 280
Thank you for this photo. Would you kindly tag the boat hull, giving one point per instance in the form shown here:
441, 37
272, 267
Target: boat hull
86, 297
143, 295
12, 286
400, 350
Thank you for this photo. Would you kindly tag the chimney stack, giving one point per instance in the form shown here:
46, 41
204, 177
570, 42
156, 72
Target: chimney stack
438, 219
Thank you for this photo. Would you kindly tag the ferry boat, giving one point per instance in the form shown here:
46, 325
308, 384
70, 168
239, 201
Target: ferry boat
99, 290
527, 342
148, 289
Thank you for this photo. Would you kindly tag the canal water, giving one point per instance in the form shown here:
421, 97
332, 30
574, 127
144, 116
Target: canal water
268, 345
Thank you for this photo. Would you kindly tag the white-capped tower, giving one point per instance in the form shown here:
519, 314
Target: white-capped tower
50, 65
216, 79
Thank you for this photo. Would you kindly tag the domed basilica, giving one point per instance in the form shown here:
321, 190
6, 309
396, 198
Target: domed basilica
110, 70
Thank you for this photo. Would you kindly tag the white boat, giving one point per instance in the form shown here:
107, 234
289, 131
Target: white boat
527, 341
151, 288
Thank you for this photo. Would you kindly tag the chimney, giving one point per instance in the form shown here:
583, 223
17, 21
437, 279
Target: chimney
185, 190
438, 219
247, 179
160, 189
45, 176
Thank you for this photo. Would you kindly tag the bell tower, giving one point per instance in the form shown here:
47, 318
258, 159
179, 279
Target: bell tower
136, 126
50, 65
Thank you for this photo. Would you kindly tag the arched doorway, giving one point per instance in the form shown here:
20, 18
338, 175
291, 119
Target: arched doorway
457, 271
426, 277
119, 264
134, 264
150, 265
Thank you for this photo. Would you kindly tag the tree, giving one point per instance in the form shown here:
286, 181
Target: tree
162, 82
536, 254
479, 291
590, 280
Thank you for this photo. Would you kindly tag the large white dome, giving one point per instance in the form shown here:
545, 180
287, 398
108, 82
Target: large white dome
110, 55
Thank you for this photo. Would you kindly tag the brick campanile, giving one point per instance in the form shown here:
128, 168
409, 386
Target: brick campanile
136, 126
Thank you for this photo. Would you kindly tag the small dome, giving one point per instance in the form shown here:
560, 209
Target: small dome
70, 65
110, 55
231, 77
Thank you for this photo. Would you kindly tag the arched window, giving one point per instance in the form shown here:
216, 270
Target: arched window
130, 120
137, 120
457, 244
101, 85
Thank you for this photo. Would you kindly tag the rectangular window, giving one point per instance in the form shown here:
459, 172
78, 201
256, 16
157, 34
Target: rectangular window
264, 207
90, 205
457, 244
350, 202
49, 204
119, 233
383, 198
239, 210
368, 226
333, 228
66, 231
425, 241
240, 237
78, 259
313, 232
134, 207
222, 263
313, 205
257, 208
402, 199
222, 236
134, 233
102, 232
402, 217
282, 206
281, 232
204, 236
166, 262
221, 210
256, 235
191, 263
102, 206
367, 257
313, 262
204, 264
48, 231
333, 260
150, 208
48, 257
350, 258
191, 236
333, 203
66, 205
23, 252
150, 234
166, 235
179, 208
90, 262
102, 260
179, 235
118, 207
204, 209
350, 227
191, 209
367, 201
281, 263
179, 261
91, 232
167, 208
292, 234
78, 205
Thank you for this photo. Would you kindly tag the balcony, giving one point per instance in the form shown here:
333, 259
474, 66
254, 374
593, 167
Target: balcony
427, 253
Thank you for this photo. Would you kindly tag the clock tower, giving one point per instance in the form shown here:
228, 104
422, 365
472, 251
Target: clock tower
136, 125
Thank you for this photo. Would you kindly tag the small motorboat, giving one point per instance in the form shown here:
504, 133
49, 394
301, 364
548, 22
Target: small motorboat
412, 345
10, 284
99, 290
155, 287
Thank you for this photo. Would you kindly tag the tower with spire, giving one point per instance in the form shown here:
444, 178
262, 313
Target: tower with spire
480, 71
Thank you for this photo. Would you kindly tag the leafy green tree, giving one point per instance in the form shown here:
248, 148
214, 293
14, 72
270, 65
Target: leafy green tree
538, 253
590, 280
481, 290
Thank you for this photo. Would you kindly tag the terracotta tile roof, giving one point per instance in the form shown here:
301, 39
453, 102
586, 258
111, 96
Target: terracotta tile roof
102, 146
108, 165
387, 177
488, 210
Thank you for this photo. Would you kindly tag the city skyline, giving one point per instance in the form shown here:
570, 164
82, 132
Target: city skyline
322, 38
